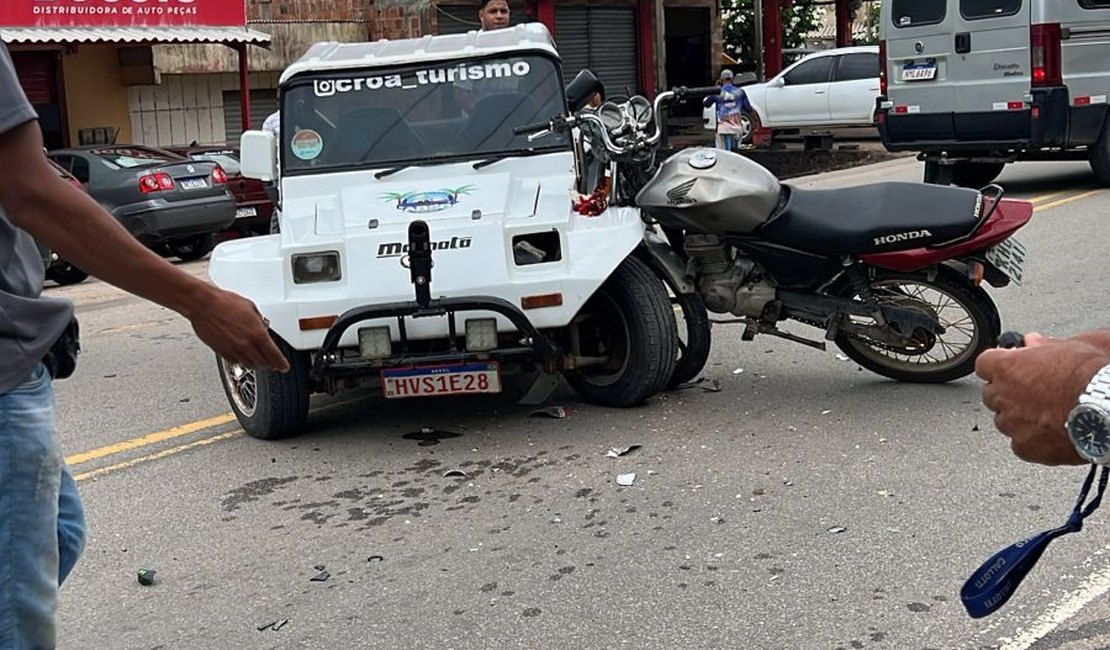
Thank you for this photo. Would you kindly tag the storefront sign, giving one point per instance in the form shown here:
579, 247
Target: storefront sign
122, 13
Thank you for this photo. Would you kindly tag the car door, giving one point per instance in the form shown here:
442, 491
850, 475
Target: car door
800, 95
992, 75
854, 88
919, 48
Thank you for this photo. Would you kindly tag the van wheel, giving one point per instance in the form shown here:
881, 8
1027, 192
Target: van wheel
268, 404
629, 326
1100, 156
975, 175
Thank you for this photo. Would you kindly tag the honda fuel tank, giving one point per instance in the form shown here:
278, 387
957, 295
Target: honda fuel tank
710, 191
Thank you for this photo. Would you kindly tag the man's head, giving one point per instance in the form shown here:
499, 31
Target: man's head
493, 14
726, 76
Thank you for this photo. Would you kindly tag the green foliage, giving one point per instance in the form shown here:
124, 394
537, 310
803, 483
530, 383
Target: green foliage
739, 26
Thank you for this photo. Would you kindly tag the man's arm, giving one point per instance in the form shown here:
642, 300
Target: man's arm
74, 225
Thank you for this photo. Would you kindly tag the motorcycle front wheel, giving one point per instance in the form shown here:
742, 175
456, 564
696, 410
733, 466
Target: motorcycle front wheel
968, 315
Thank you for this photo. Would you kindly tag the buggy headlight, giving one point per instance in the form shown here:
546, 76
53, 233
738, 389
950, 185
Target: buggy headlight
481, 334
316, 267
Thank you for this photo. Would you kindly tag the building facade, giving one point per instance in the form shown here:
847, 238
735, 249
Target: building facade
162, 89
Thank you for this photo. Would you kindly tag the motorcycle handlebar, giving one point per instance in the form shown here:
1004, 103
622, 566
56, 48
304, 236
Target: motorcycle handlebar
704, 91
532, 128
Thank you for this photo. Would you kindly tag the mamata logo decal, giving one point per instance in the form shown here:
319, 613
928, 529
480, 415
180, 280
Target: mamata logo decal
433, 201
426, 77
401, 249
902, 236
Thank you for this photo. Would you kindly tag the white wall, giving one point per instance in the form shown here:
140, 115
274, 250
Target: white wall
184, 108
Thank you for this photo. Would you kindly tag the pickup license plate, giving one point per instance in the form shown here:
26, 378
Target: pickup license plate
241, 213
193, 183
1009, 257
919, 72
431, 381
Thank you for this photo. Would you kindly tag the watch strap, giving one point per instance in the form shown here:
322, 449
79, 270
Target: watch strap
1098, 390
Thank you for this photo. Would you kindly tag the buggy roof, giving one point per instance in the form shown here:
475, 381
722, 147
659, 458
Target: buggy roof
336, 56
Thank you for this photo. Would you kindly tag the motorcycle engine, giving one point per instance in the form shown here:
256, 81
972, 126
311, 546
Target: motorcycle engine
729, 283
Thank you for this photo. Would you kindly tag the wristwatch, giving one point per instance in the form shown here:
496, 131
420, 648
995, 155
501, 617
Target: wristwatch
1089, 422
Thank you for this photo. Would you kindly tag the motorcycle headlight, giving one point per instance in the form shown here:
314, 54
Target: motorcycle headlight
309, 268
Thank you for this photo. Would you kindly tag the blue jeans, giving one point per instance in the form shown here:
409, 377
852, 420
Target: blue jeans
42, 522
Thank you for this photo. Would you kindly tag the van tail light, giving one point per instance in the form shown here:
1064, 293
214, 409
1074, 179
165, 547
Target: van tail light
1044, 52
155, 182
882, 67
219, 176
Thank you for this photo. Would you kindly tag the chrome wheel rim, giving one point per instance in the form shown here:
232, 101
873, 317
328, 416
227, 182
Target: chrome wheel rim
242, 387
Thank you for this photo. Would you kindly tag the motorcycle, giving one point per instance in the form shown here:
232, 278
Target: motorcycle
891, 272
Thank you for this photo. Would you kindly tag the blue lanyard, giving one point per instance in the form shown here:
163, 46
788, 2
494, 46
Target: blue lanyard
988, 589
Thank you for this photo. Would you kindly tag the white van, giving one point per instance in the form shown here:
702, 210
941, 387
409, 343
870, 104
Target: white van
975, 84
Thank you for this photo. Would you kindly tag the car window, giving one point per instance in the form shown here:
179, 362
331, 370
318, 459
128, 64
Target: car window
814, 71
63, 161
911, 13
1094, 4
80, 169
419, 113
225, 159
979, 9
863, 65
135, 157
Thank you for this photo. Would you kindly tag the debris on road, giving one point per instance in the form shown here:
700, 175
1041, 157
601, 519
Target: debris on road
454, 473
375, 558
708, 385
321, 574
553, 412
975, 428
275, 626
841, 357
836, 530
626, 480
146, 577
617, 452
738, 371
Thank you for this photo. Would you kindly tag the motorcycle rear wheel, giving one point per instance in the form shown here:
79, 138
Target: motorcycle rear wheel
966, 312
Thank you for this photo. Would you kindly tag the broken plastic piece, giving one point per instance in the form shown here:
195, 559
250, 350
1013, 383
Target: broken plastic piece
320, 577
146, 577
454, 473
626, 480
554, 412
836, 530
375, 558
617, 452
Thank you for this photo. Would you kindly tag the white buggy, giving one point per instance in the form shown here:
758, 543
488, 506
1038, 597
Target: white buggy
428, 247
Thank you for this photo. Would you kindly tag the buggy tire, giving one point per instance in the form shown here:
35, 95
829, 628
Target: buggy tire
693, 348
976, 175
193, 248
1100, 155
631, 319
268, 404
65, 273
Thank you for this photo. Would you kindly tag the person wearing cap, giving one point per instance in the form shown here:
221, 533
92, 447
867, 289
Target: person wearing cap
731, 104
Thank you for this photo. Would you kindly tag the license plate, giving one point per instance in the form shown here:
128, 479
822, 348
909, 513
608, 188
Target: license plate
1008, 257
240, 213
193, 183
919, 72
429, 381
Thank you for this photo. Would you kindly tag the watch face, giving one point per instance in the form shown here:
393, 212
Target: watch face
1090, 431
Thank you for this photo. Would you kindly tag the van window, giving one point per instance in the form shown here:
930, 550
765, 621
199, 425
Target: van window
1094, 4
911, 13
863, 65
814, 71
978, 9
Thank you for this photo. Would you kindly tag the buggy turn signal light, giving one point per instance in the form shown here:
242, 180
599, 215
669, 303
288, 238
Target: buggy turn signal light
317, 323
541, 301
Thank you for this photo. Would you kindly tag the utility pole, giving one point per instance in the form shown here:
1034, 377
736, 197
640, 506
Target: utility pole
758, 31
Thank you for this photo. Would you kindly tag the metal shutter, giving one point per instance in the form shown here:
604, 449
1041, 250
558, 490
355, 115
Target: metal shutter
602, 39
263, 103
36, 73
459, 19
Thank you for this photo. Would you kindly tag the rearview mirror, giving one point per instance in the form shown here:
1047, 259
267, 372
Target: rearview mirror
258, 155
779, 82
584, 86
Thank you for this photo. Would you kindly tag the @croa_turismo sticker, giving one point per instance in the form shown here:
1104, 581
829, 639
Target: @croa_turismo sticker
307, 144
463, 72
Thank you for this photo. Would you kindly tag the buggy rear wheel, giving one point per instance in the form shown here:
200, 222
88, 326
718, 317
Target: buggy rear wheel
268, 404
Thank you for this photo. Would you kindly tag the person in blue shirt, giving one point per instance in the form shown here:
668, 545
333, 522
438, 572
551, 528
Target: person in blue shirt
732, 105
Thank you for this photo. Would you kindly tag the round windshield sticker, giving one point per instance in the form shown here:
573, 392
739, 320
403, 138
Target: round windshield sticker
307, 144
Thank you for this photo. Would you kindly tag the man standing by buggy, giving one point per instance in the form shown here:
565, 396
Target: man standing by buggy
42, 525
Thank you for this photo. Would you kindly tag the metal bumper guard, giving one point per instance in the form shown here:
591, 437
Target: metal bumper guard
533, 344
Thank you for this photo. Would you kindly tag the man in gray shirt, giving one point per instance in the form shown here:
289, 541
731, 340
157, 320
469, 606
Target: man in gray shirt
42, 526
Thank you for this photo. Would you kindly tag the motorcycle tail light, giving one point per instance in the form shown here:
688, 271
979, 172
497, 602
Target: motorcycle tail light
310, 268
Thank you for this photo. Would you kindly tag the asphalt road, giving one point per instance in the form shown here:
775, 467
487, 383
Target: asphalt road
808, 504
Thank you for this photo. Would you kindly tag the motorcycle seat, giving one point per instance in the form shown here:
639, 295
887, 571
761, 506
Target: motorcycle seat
879, 217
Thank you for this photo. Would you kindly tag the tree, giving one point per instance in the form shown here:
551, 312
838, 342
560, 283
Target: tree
739, 26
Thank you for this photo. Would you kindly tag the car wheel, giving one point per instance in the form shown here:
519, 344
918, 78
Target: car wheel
194, 248
268, 404
64, 273
629, 325
751, 124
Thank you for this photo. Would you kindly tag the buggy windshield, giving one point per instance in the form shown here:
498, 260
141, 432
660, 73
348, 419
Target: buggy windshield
419, 114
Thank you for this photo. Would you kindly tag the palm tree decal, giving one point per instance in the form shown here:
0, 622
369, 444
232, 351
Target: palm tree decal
427, 201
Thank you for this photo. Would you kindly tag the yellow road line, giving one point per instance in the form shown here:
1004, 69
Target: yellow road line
1067, 200
84, 476
1041, 198
151, 439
